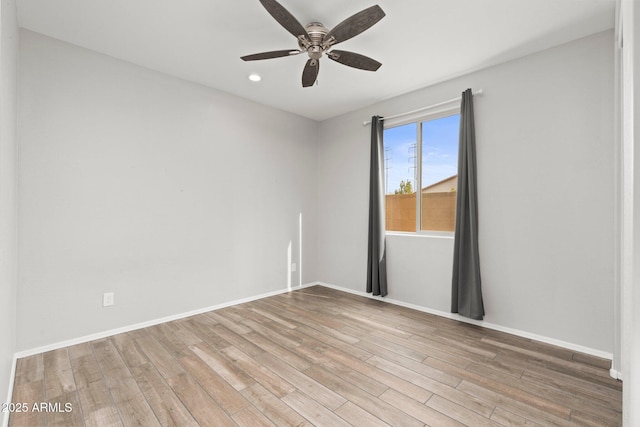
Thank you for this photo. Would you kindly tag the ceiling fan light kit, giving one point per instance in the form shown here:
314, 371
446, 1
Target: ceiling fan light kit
316, 40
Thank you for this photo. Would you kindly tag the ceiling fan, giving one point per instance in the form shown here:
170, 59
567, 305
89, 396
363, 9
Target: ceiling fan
315, 39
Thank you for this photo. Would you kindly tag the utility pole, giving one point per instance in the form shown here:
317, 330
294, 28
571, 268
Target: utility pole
387, 166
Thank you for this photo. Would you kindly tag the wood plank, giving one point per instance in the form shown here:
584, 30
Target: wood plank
239, 341
302, 382
215, 385
506, 369
497, 339
272, 316
324, 323
164, 403
58, 376
269, 380
507, 418
588, 359
424, 413
547, 391
129, 350
337, 383
163, 360
127, 397
111, 364
523, 409
25, 395
420, 368
231, 313
232, 325
64, 410
498, 385
250, 417
204, 329
131, 403
98, 408
597, 394
567, 366
548, 373
366, 383
223, 367
271, 332
29, 369
270, 347
380, 323
435, 387
459, 412
305, 323
86, 370
390, 380
105, 417
79, 350
375, 406
372, 343
94, 396
273, 408
333, 342
446, 347
312, 410
165, 335
355, 415
243, 313
202, 407
185, 332
591, 419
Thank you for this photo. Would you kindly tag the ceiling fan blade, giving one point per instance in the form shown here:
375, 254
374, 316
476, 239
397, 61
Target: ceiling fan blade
285, 18
310, 72
354, 25
269, 55
354, 60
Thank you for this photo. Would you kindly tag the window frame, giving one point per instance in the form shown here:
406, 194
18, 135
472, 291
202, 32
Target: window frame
446, 110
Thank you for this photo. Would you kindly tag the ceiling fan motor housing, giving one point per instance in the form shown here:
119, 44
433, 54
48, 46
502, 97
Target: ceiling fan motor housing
316, 32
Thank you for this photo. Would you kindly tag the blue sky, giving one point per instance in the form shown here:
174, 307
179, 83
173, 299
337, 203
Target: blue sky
439, 151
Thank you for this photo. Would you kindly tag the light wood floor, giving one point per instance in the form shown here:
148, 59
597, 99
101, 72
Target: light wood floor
316, 357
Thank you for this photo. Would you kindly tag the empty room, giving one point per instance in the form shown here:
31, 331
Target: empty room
199, 225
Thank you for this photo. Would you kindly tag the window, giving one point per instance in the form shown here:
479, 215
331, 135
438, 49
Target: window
422, 158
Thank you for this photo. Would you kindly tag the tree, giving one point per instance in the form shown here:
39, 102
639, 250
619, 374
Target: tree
405, 187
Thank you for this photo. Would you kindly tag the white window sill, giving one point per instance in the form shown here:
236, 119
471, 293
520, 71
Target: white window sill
430, 234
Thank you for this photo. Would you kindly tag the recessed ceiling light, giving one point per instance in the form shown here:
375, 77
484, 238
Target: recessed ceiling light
255, 77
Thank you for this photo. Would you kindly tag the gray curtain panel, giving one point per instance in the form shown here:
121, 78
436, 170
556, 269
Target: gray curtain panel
377, 259
466, 294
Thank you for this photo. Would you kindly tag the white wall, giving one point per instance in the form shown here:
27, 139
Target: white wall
172, 195
8, 218
546, 186
630, 292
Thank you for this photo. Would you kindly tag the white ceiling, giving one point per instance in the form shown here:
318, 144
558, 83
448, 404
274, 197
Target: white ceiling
419, 42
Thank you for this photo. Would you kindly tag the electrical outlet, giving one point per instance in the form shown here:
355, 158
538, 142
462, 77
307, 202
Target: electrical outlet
294, 267
107, 299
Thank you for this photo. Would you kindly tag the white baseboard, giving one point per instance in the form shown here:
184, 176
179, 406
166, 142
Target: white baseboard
5, 415
129, 328
517, 332
615, 374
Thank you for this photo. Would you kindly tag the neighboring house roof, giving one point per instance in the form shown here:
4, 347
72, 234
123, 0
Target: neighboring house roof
447, 184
